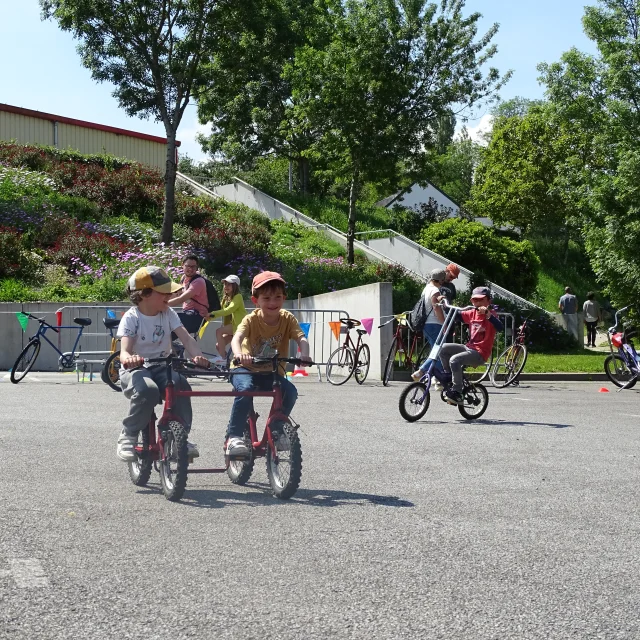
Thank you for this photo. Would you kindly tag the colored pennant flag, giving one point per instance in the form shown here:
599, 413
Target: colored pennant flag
367, 323
23, 319
203, 329
111, 313
335, 327
400, 316
305, 326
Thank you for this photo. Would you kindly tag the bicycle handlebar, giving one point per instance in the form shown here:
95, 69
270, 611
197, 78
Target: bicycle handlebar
615, 318
41, 321
296, 361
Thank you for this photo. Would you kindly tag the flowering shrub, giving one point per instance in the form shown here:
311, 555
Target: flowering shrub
15, 260
79, 245
24, 180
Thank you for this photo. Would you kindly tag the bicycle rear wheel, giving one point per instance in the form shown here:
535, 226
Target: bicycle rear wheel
25, 361
284, 466
174, 462
239, 471
389, 364
475, 401
414, 401
340, 366
110, 373
508, 365
618, 372
363, 358
140, 470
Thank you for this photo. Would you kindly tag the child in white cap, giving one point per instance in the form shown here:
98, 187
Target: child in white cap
232, 312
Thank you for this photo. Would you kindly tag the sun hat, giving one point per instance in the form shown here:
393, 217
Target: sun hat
153, 278
232, 280
264, 277
438, 275
481, 292
453, 269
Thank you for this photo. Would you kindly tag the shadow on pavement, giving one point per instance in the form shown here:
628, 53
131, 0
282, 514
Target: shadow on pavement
261, 496
517, 423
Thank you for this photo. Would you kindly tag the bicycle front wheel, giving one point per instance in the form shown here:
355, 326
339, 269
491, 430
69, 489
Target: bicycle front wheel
508, 365
363, 358
25, 361
174, 462
284, 466
618, 372
340, 366
140, 470
239, 471
391, 359
414, 401
111, 371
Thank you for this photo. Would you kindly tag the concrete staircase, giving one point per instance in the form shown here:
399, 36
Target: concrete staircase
384, 245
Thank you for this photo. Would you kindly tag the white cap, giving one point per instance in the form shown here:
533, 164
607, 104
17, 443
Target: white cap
232, 280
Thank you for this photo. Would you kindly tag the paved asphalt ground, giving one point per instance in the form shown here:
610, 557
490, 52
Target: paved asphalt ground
523, 524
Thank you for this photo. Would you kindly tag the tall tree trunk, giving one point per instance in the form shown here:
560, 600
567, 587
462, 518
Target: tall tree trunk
303, 174
351, 225
169, 189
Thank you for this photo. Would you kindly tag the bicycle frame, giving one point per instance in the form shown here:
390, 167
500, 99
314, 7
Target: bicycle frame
42, 332
260, 447
434, 354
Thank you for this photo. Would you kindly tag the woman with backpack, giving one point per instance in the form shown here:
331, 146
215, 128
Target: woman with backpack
434, 313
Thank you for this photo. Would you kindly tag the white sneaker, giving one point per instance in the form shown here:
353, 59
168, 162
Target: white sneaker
126, 449
192, 450
237, 447
417, 375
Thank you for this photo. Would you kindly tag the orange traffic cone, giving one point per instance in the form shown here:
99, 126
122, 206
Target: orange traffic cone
603, 390
299, 371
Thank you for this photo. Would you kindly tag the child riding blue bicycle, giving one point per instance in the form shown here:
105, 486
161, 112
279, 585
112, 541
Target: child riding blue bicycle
483, 325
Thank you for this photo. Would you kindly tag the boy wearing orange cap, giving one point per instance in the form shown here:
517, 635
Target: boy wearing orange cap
260, 334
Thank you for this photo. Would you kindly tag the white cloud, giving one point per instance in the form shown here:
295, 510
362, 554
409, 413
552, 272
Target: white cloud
187, 135
475, 133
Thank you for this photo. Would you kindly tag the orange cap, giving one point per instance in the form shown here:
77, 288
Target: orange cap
264, 277
453, 269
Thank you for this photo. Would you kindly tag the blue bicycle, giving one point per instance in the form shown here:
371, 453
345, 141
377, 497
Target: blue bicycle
29, 354
622, 368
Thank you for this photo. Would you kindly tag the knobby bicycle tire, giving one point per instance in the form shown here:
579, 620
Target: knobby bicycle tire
239, 471
174, 462
284, 468
391, 358
25, 361
140, 470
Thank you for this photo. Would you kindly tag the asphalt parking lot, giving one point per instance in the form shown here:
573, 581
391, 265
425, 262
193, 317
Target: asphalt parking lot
523, 524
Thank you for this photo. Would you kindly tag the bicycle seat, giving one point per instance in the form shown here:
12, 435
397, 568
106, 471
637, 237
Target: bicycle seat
83, 322
111, 323
360, 332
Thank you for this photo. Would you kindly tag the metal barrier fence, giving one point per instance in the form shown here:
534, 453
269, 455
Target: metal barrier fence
95, 344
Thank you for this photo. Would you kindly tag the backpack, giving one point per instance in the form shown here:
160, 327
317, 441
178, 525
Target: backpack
212, 294
418, 316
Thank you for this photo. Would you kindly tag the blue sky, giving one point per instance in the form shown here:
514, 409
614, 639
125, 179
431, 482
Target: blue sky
41, 69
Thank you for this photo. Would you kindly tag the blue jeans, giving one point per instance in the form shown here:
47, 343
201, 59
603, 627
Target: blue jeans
430, 332
251, 381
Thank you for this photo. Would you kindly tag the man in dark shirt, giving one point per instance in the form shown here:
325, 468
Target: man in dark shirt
447, 288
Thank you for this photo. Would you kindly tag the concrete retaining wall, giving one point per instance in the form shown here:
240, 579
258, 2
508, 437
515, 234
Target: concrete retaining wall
374, 300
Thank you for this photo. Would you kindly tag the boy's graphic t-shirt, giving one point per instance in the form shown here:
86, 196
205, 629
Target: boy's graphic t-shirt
152, 334
262, 340
481, 332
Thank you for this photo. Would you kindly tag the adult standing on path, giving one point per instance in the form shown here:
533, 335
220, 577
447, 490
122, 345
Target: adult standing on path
194, 301
591, 310
568, 305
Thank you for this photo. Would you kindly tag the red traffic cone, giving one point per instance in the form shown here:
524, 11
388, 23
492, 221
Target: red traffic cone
603, 390
299, 371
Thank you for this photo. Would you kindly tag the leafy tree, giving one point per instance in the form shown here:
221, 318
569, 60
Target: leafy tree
454, 169
510, 264
597, 101
245, 95
375, 92
517, 106
152, 51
